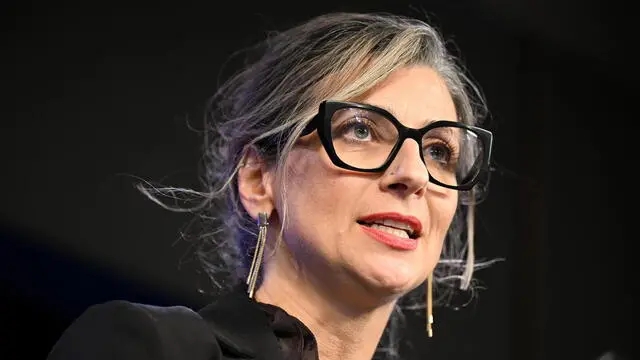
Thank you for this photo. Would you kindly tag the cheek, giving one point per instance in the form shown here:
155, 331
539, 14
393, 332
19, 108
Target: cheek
441, 210
309, 183
312, 196
322, 203
317, 185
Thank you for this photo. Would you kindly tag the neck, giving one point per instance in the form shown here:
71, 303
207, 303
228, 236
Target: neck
341, 331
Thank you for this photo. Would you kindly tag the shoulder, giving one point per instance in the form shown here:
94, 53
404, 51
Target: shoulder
126, 330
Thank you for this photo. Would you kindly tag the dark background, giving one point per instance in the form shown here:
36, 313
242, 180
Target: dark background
95, 95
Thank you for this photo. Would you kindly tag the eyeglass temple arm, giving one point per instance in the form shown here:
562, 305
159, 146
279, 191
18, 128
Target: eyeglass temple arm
312, 125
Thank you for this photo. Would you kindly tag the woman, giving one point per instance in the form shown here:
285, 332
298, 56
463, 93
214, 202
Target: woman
337, 163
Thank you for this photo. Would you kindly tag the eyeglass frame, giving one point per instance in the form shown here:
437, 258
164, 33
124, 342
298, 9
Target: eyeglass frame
322, 122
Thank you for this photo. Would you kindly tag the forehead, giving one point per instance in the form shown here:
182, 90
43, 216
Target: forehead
416, 96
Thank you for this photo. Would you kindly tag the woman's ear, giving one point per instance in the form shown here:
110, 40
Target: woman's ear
255, 184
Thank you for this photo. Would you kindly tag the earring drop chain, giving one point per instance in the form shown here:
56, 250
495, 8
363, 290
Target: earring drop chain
258, 253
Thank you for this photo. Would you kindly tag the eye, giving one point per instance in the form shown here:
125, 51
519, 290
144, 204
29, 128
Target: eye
356, 128
360, 127
441, 147
438, 152
359, 130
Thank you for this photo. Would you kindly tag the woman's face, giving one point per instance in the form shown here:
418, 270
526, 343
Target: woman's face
326, 204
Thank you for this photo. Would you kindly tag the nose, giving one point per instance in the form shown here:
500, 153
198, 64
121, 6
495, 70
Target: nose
407, 174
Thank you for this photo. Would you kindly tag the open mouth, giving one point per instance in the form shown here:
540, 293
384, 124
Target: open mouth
392, 227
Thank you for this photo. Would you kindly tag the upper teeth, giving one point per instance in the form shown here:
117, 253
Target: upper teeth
395, 224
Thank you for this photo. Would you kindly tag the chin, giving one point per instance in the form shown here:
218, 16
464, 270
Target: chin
392, 278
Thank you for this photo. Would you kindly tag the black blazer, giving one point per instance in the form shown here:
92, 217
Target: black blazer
233, 327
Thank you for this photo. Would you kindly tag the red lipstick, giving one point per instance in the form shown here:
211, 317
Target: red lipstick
391, 240
412, 221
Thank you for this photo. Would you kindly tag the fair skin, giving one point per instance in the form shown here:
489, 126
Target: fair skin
327, 271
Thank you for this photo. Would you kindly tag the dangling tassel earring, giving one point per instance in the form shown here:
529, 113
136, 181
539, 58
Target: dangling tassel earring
430, 305
258, 253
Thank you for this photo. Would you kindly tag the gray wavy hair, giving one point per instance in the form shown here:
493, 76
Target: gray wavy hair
269, 102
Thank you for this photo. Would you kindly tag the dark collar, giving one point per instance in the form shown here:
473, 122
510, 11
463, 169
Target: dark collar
241, 326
